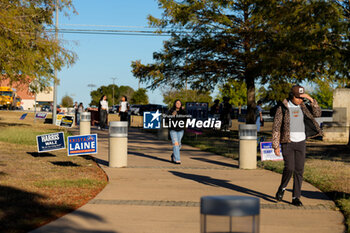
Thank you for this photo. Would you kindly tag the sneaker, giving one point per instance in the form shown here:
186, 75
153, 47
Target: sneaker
279, 194
297, 202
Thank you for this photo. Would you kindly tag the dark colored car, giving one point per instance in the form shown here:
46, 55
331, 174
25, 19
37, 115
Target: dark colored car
152, 108
114, 109
46, 108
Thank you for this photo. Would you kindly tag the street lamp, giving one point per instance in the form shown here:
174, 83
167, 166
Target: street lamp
113, 90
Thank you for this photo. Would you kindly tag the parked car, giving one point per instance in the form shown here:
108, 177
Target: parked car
114, 109
135, 109
152, 108
326, 116
46, 108
266, 116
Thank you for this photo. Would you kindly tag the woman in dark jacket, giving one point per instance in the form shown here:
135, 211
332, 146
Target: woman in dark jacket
177, 114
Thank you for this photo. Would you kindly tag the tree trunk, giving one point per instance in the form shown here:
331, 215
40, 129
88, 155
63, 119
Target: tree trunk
250, 119
249, 73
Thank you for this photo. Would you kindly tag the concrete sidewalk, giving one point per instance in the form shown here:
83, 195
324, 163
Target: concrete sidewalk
154, 195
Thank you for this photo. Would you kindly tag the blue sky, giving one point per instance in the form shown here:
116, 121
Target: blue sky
101, 57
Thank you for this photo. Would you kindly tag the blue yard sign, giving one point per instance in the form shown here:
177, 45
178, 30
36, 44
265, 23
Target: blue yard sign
50, 142
41, 115
23, 116
268, 153
82, 145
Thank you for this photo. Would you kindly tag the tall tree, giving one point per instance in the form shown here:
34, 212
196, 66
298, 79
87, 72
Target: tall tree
108, 91
28, 47
139, 97
235, 91
215, 41
67, 101
185, 96
277, 90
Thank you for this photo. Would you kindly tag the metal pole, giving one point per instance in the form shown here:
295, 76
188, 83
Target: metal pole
35, 106
113, 90
54, 109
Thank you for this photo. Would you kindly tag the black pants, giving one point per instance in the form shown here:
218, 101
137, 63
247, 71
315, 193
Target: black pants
103, 118
123, 116
294, 160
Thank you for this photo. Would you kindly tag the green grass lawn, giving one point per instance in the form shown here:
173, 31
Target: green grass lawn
36, 188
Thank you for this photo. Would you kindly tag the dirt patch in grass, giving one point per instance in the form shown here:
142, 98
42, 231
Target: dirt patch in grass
37, 188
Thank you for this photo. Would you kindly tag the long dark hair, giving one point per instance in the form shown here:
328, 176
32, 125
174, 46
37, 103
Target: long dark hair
99, 102
174, 104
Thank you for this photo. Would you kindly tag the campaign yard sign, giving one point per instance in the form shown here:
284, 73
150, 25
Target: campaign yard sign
23, 116
58, 119
40, 115
67, 121
82, 145
268, 153
50, 142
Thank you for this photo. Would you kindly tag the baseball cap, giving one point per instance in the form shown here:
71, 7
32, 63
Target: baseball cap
297, 90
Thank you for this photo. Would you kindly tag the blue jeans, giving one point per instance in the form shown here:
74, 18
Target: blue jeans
78, 118
258, 124
176, 136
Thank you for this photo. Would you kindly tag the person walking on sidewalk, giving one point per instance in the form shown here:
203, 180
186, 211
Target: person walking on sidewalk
294, 122
80, 109
123, 109
103, 111
176, 114
258, 114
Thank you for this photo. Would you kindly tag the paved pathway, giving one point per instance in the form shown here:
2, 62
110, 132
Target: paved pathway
154, 195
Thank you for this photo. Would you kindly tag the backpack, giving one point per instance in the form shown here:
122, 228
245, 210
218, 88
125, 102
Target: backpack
273, 110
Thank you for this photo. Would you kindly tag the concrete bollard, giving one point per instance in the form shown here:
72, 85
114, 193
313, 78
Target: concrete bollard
118, 144
85, 123
247, 146
230, 214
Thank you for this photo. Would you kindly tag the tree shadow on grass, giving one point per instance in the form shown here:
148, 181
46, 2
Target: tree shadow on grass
4, 124
19, 209
207, 180
45, 154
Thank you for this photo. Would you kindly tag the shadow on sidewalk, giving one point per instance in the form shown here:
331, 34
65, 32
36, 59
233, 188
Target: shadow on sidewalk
223, 183
72, 227
149, 156
216, 162
312, 194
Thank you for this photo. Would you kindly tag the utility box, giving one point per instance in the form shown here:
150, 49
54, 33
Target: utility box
247, 146
224, 214
118, 144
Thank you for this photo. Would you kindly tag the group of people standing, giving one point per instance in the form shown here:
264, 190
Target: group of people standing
124, 107
222, 112
78, 110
